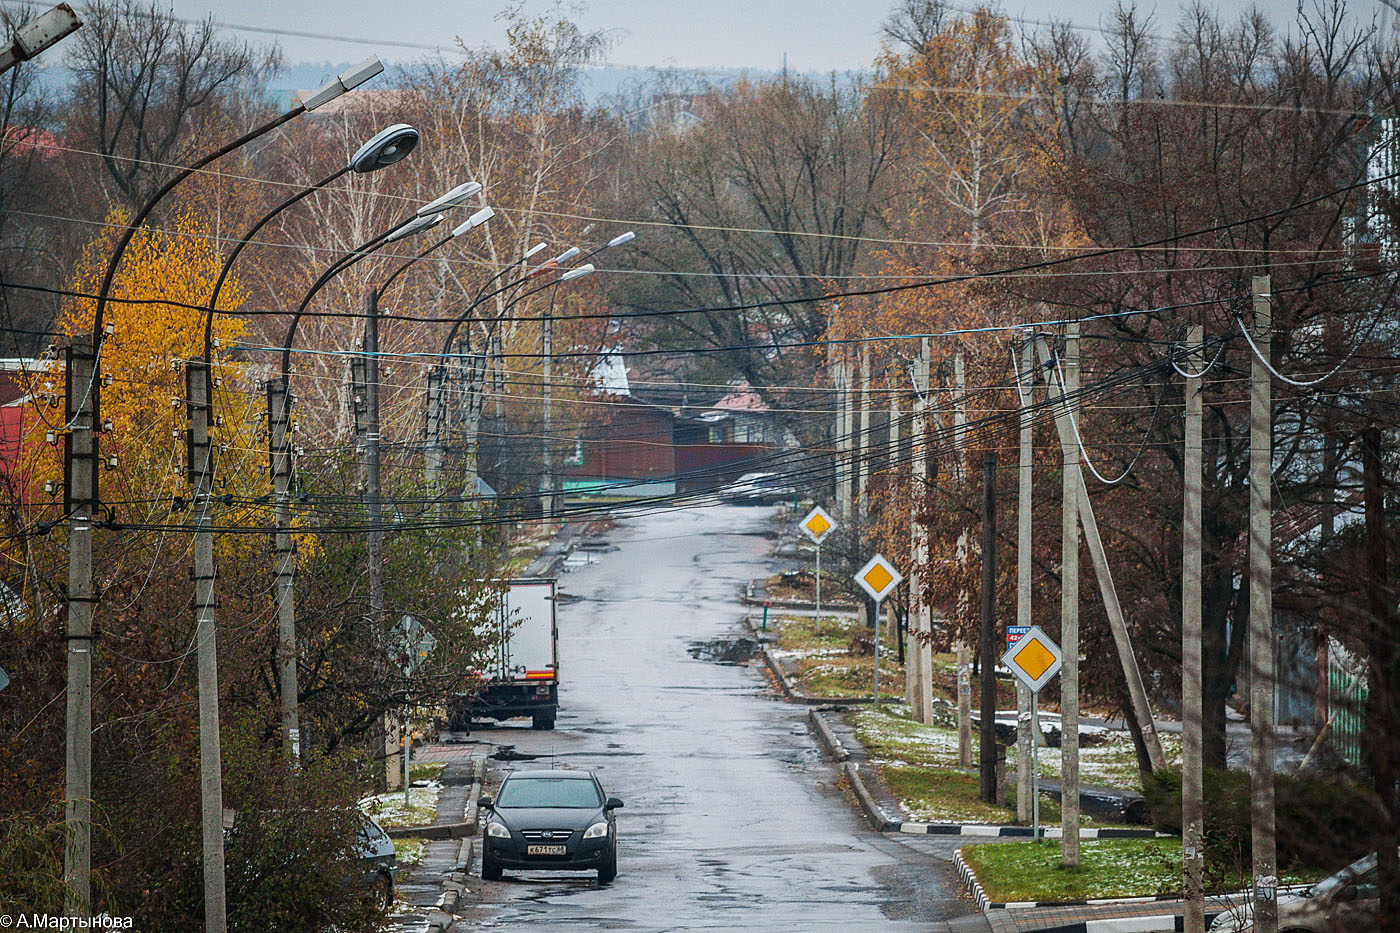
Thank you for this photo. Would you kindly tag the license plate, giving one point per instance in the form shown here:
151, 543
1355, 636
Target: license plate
546, 850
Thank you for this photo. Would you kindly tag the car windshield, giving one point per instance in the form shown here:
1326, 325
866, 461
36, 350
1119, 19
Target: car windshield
548, 792
1361, 872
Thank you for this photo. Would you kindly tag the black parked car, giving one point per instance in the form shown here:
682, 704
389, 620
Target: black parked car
550, 820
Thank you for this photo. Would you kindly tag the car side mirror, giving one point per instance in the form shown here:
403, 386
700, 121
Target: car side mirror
613, 804
486, 803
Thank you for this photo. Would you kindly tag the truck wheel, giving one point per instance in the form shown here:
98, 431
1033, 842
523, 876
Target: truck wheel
543, 721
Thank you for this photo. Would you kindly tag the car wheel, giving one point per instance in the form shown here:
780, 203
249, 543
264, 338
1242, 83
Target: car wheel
384, 891
608, 870
542, 722
490, 869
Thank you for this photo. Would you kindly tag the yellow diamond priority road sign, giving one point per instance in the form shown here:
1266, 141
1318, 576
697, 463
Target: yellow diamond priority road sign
817, 525
1034, 659
878, 578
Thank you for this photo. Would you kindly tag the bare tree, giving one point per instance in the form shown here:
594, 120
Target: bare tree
149, 86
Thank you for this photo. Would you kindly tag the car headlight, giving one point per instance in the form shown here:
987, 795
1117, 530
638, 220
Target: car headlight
596, 831
497, 830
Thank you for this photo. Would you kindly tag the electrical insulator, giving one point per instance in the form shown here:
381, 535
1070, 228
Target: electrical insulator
106, 379
106, 424
51, 437
108, 328
49, 487
112, 462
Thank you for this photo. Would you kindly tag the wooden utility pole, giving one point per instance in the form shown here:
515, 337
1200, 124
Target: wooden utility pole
988, 751
1261, 617
964, 668
1025, 387
1192, 794
1382, 669
1069, 615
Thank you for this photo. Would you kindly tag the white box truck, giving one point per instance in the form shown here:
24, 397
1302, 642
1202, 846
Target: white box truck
522, 678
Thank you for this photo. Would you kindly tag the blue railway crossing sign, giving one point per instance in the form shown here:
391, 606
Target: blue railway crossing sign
1014, 633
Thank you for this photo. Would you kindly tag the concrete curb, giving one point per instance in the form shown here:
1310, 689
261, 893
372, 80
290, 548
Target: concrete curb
836, 608
826, 737
432, 831
878, 821
1025, 832
797, 696
969, 880
472, 811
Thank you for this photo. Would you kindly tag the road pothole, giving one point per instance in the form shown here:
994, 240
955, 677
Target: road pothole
724, 650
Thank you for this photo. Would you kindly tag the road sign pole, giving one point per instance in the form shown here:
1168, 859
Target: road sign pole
1035, 767
819, 584
877, 654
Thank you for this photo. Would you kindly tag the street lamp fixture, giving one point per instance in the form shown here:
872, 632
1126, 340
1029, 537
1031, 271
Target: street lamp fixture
474, 221
452, 198
621, 238
386, 147
39, 34
347, 80
580, 272
416, 225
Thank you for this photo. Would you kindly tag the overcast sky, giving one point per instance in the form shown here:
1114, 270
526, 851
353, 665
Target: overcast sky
816, 35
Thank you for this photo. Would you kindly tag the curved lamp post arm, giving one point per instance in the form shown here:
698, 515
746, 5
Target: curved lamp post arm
340, 265
337, 86
384, 286
244, 241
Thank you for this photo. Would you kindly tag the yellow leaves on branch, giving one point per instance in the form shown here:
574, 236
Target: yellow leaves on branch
145, 356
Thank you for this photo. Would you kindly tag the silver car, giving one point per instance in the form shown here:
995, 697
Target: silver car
1346, 901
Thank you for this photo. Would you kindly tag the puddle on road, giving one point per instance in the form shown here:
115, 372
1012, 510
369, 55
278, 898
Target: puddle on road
725, 650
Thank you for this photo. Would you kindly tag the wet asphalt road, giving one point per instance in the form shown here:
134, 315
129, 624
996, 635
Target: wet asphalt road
732, 818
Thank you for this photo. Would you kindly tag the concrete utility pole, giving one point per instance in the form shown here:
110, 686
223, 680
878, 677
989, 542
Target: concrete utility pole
1065, 421
863, 433
1025, 388
843, 437
384, 748
432, 434
1261, 617
198, 392
547, 366
1192, 795
964, 667
987, 752
284, 557
80, 495
1069, 616
920, 653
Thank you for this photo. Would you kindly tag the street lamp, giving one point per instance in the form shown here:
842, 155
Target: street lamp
371, 450
279, 416
84, 380
388, 147
432, 464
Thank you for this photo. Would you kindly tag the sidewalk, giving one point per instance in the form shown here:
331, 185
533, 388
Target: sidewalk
433, 886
